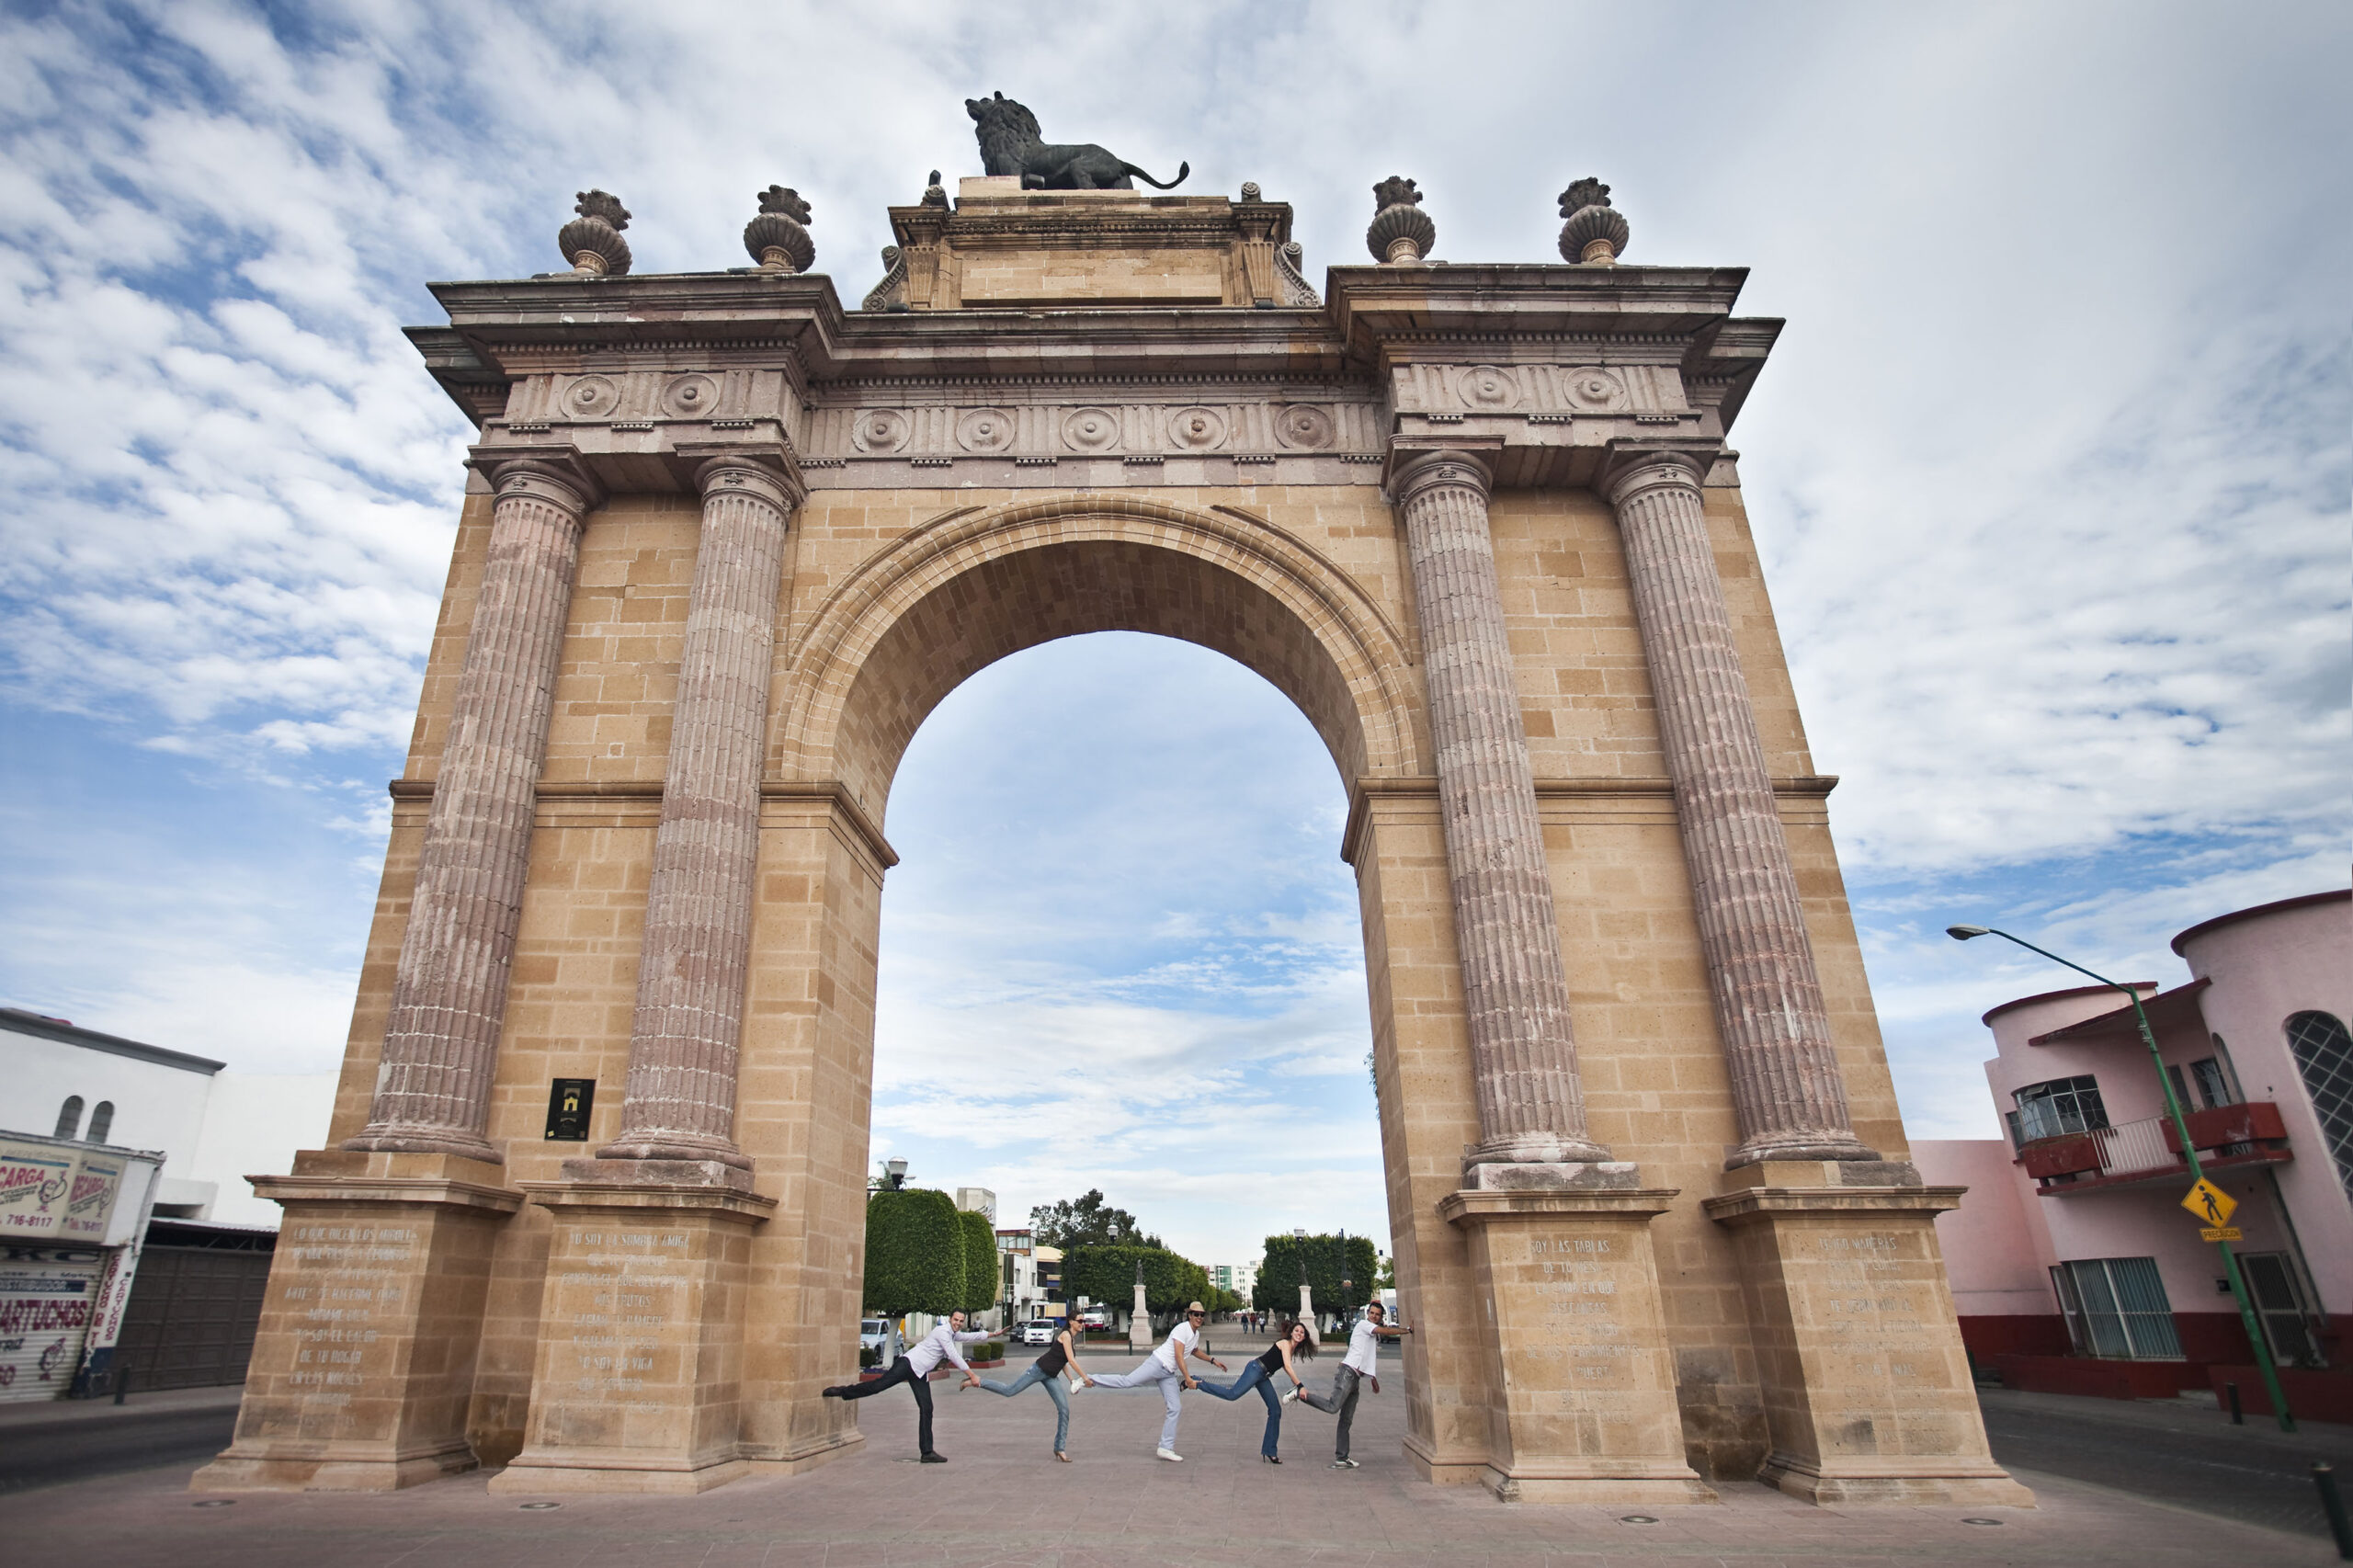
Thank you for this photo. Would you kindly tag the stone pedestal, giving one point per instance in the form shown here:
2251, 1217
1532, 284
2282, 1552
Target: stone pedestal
1866, 1388
1140, 1322
638, 1383
364, 1361
1576, 1344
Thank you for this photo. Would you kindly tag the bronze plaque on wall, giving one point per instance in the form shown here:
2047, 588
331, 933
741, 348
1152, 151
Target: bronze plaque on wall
569, 1103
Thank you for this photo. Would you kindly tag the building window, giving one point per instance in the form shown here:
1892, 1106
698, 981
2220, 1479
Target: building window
2116, 1307
68, 1117
2280, 1306
102, 1121
2213, 1083
2325, 1056
2063, 1105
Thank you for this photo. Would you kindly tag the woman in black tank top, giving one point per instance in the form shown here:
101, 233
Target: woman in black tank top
1294, 1343
1047, 1369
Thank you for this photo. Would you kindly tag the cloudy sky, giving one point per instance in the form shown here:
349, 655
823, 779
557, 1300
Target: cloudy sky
2050, 471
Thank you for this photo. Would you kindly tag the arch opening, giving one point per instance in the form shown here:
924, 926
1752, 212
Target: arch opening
969, 590
1120, 952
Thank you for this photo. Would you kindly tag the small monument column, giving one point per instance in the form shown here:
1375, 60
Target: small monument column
637, 1381
1584, 1403
1140, 1318
1868, 1392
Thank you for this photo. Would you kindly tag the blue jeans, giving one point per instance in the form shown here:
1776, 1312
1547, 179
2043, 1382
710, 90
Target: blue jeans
1054, 1390
1253, 1375
1154, 1371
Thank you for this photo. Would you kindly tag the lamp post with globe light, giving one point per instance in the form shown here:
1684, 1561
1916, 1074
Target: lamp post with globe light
2262, 1362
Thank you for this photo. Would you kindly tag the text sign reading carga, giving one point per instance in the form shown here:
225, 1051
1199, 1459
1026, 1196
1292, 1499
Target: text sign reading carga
2210, 1203
569, 1102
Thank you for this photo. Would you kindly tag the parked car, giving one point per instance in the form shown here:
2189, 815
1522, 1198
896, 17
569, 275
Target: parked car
873, 1333
1040, 1332
1095, 1317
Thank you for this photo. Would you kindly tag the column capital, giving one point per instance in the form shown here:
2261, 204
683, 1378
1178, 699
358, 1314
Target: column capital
1414, 470
765, 468
1631, 468
555, 474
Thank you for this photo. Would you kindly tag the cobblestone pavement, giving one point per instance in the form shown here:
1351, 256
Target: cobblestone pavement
1002, 1500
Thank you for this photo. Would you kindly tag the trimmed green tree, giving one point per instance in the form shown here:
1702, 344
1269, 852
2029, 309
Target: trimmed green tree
914, 1252
981, 1278
1277, 1287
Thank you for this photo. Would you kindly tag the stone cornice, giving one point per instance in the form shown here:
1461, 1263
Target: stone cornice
1815, 786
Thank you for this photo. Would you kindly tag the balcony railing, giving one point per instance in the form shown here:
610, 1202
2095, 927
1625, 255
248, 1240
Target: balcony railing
2138, 1151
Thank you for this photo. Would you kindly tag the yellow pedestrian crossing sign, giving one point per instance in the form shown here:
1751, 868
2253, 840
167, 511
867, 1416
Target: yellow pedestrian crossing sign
2210, 1203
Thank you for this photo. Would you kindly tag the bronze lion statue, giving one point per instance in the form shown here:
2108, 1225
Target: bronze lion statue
1012, 144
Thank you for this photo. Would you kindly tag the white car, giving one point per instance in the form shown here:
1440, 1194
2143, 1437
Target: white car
1041, 1332
873, 1333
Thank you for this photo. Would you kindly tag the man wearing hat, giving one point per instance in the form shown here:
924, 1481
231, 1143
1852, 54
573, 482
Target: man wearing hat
1166, 1367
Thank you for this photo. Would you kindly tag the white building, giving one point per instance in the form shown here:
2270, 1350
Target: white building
1239, 1278
213, 1126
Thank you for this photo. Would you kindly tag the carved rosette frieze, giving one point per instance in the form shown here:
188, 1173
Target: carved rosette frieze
1787, 1087
1531, 1107
449, 989
680, 1103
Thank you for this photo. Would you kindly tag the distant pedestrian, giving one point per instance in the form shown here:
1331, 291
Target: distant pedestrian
1296, 1342
914, 1369
1364, 1342
1047, 1370
1166, 1367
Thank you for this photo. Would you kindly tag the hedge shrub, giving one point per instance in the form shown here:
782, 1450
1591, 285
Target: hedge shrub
981, 1278
915, 1253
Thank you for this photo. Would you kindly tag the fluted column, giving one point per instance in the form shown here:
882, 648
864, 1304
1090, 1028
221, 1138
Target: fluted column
1531, 1110
449, 992
690, 979
1785, 1080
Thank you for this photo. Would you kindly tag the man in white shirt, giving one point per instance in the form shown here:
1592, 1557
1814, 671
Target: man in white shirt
914, 1369
1166, 1367
1364, 1344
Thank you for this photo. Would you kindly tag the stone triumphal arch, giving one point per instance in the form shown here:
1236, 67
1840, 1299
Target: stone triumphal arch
592, 1206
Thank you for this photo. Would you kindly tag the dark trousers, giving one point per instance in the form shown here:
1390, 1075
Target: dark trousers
902, 1371
1340, 1401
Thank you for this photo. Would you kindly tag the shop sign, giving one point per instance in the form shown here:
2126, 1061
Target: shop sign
36, 1181
46, 1295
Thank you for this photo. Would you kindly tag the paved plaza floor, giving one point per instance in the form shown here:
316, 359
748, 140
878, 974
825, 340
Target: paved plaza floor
1002, 1500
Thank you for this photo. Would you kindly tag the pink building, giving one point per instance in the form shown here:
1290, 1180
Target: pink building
2073, 1266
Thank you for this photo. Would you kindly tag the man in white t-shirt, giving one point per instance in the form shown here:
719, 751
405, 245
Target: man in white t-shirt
1364, 1344
1166, 1367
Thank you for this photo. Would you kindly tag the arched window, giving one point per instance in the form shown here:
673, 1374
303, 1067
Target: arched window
2325, 1056
68, 1117
102, 1121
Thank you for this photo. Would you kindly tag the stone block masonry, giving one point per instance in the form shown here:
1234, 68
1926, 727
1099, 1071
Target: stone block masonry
726, 544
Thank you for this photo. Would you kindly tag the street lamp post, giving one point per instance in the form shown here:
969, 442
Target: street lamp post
1347, 1286
2262, 1362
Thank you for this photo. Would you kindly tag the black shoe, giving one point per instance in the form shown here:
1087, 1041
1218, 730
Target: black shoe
829, 1393
934, 1459
1272, 1459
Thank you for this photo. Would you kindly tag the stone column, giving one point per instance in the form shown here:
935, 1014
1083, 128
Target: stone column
680, 1102
449, 992
1785, 1080
1531, 1110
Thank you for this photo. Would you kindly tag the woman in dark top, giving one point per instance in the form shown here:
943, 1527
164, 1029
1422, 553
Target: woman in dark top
1294, 1344
1047, 1370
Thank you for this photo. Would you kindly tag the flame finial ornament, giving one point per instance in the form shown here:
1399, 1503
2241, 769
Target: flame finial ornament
779, 239
1596, 232
1402, 233
592, 243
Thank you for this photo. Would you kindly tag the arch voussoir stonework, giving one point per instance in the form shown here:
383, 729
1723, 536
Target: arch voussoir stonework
1361, 703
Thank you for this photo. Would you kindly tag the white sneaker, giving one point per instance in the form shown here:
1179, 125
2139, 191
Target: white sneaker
1171, 1455
1293, 1394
